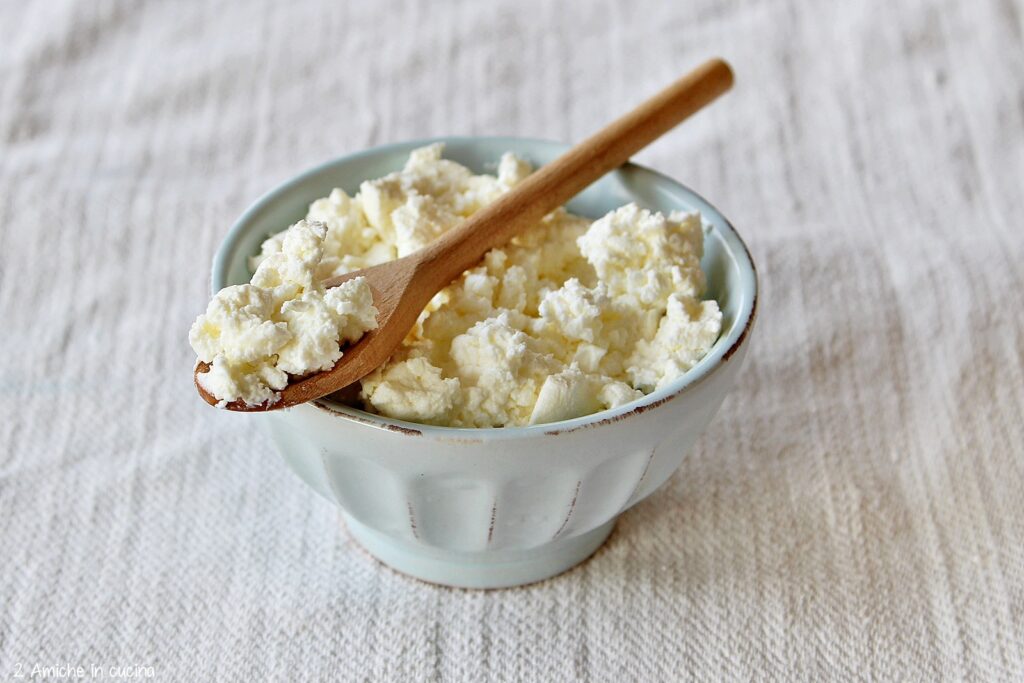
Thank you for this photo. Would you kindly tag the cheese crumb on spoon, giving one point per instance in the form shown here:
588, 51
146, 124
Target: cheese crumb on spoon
283, 323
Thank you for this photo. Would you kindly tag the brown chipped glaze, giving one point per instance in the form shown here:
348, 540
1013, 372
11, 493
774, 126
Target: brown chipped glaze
412, 520
734, 347
753, 306
572, 508
643, 475
494, 518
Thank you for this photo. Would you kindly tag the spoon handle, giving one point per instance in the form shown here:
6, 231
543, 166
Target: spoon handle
559, 181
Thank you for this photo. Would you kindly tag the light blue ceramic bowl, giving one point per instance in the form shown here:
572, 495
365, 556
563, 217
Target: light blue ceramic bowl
500, 507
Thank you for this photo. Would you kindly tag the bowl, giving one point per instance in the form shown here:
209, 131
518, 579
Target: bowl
489, 508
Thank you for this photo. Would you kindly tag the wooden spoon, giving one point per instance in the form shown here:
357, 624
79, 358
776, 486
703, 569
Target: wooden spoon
402, 288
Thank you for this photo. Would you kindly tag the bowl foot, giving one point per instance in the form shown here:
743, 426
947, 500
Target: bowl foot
495, 569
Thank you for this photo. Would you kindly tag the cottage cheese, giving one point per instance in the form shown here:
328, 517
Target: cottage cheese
569, 318
283, 323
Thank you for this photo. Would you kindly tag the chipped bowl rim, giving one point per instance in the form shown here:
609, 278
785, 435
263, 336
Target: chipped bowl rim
721, 351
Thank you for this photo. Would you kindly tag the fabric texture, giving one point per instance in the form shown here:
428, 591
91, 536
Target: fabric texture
854, 512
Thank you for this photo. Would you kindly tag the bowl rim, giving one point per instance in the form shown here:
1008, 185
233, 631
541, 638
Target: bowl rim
720, 353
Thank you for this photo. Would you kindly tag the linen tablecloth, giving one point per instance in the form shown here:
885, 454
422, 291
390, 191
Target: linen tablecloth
855, 510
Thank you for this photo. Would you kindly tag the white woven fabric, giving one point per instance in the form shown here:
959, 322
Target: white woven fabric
855, 510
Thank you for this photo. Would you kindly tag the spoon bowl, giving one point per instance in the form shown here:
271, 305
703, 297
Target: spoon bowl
398, 296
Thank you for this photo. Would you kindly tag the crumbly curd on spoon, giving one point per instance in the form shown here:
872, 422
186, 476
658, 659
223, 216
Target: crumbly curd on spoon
283, 323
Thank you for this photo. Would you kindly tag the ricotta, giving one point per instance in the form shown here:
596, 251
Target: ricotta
569, 318
282, 323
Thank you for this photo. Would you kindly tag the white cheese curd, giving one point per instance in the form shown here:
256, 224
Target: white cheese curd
567, 319
688, 329
414, 390
283, 323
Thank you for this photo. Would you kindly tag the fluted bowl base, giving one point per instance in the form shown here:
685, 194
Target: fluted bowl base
489, 569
